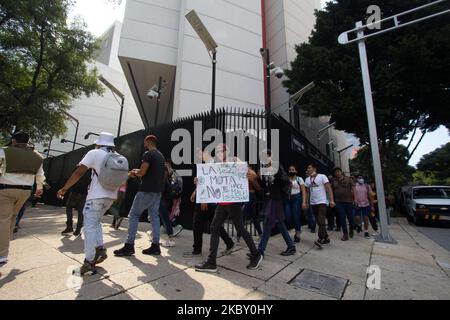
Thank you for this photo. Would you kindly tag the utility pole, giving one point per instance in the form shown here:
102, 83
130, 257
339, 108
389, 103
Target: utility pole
361, 38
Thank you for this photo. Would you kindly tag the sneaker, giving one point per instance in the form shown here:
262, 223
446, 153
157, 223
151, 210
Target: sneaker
350, 234
326, 241
228, 250
88, 268
318, 244
289, 252
16, 228
192, 254
358, 229
177, 230
154, 250
168, 243
296, 239
345, 237
118, 222
255, 262
367, 235
206, 267
126, 251
3, 260
67, 231
100, 255
77, 233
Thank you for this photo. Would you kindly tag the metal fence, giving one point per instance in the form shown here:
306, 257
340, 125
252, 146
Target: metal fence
294, 149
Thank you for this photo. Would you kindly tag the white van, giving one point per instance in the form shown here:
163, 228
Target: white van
427, 203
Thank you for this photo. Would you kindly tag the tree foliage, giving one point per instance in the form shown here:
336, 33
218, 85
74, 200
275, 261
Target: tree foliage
44, 65
434, 168
410, 73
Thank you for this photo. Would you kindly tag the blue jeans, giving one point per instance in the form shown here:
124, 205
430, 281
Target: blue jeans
142, 201
311, 219
267, 232
292, 211
93, 232
346, 210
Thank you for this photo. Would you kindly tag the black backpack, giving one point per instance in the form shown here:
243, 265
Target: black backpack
174, 186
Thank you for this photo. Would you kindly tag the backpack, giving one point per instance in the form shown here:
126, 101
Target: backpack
174, 187
113, 172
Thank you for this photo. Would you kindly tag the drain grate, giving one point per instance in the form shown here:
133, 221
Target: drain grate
322, 283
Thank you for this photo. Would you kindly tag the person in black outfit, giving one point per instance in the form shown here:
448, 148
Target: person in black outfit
76, 200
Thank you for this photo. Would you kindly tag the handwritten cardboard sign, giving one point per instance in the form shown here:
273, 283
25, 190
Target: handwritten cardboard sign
222, 182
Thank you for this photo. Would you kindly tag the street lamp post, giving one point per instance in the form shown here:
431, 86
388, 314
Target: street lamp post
399, 20
76, 128
296, 97
340, 151
115, 91
211, 46
321, 133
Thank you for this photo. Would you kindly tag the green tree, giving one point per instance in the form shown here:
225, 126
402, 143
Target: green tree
410, 73
397, 174
44, 65
433, 168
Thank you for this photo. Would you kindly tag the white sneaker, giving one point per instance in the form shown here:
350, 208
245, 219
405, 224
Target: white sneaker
168, 243
3, 260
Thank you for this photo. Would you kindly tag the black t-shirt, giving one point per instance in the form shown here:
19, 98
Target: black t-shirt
153, 181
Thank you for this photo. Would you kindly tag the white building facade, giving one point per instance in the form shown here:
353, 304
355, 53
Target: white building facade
158, 45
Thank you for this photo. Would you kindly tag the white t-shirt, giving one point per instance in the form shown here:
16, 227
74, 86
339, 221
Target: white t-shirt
93, 160
296, 185
316, 186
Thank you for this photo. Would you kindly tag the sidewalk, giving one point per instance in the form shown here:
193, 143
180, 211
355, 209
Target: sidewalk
41, 261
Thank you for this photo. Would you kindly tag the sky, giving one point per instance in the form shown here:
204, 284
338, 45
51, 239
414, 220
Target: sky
99, 15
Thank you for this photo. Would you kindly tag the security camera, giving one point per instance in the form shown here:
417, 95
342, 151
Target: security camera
151, 94
278, 72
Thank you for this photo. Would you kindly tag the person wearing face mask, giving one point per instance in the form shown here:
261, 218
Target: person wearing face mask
275, 184
296, 198
363, 205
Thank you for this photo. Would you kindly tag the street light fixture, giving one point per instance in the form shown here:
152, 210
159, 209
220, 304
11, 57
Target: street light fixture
340, 151
321, 133
211, 45
76, 129
90, 134
358, 33
75, 143
115, 91
296, 97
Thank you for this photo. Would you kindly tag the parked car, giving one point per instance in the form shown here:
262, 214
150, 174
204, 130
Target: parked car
427, 203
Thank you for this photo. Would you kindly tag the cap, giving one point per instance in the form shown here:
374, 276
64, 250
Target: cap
21, 137
105, 139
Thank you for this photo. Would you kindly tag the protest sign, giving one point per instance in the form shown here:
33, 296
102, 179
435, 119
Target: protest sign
222, 182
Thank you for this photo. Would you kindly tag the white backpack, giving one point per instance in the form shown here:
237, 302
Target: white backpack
113, 171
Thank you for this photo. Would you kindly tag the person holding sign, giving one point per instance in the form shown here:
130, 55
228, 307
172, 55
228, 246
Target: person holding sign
234, 196
204, 214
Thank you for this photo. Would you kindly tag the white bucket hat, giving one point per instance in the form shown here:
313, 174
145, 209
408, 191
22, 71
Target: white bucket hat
105, 139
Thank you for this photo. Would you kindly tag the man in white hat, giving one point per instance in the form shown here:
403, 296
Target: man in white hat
98, 201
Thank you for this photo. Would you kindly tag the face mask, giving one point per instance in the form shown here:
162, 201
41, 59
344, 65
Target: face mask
292, 174
361, 181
